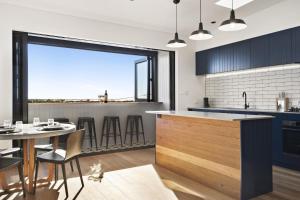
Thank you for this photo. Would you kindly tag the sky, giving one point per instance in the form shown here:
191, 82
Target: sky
64, 73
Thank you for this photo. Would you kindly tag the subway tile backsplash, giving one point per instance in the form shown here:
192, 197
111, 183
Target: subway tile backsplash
262, 87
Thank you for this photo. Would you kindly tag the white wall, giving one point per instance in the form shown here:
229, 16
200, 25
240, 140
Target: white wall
30, 20
96, 110
281, 16
164, 78
190, 88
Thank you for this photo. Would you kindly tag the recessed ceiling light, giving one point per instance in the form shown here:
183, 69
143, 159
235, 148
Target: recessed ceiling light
237, 3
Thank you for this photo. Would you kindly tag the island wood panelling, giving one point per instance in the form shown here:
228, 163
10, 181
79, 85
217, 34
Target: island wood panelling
205, 150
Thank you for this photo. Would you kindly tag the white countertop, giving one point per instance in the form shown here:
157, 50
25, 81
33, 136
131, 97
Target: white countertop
245, 110
211, 115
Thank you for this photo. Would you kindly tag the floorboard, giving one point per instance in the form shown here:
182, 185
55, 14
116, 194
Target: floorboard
133, 175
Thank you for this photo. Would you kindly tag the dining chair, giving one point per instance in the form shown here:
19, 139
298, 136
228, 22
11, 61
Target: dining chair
8, 163
49, 147
62, 156
9, 151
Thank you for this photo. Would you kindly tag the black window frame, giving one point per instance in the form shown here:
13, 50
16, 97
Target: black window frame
20, 42
152, 81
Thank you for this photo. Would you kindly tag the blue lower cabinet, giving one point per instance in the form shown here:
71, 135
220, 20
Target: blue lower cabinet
280, 154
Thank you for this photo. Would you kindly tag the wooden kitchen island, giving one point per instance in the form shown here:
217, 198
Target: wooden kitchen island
231, 153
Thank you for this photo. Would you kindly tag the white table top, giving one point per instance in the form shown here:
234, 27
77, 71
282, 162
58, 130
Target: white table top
30, 132
211, 115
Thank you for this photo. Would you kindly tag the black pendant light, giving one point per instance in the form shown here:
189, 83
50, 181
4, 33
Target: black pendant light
201, 34
176, 42
232, 24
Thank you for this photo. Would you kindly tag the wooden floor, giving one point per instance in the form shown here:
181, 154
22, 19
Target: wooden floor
133, 175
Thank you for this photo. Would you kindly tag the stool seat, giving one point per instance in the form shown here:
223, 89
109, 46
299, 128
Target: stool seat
134, 126
90, 121
111, 122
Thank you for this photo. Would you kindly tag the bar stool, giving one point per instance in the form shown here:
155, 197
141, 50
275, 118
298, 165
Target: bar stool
91, 127
133, 124
108, 123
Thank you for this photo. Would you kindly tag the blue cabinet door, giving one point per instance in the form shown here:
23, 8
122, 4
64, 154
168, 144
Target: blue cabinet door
201, 62
296, 44
281, 47
213, 61
241, 55
226, 58
259, 52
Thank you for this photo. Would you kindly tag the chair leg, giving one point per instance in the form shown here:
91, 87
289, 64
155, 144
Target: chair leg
65, 179
79, 171
95, 134
115, 130
126, 131
90, 134
120, 132
36, 174
143, 132
131, 131
107, 132
56, 172
21, 175
136, 121
102, 134
71, 165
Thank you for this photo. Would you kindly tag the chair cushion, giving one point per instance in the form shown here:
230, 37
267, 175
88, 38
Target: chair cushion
43, 147
9, 151
53, 156
6, 163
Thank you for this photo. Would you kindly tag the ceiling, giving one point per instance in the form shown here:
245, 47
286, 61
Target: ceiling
149, 14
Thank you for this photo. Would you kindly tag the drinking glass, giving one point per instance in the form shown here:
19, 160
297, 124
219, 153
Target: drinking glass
36, 121
7, 123
19, 125
50, 122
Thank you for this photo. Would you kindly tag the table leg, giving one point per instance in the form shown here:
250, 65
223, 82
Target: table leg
3, 181
31, 165
25, 157
51, 166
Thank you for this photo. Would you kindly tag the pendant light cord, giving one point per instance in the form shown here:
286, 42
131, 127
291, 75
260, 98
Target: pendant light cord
176, 18
232, 5
200, 11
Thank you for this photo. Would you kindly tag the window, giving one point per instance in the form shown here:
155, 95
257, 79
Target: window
59, 72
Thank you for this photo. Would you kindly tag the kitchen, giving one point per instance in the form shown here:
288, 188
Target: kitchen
224, 120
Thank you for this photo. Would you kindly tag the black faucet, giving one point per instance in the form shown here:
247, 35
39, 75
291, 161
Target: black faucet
245, 97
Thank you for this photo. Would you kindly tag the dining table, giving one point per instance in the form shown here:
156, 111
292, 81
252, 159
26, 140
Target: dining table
28, 135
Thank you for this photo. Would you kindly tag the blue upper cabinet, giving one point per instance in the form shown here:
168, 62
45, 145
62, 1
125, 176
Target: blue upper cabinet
296, 44
278, 48
213, 59
201, 63
241, 55
281, 47
226, 58
259, 52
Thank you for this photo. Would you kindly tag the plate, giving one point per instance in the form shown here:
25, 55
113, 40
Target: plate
52, 128
42, 124
7, 130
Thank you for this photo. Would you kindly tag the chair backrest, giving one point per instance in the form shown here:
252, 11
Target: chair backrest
74, 143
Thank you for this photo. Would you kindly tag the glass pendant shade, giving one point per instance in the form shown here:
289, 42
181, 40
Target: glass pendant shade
201, 34
176, 42
232, 24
